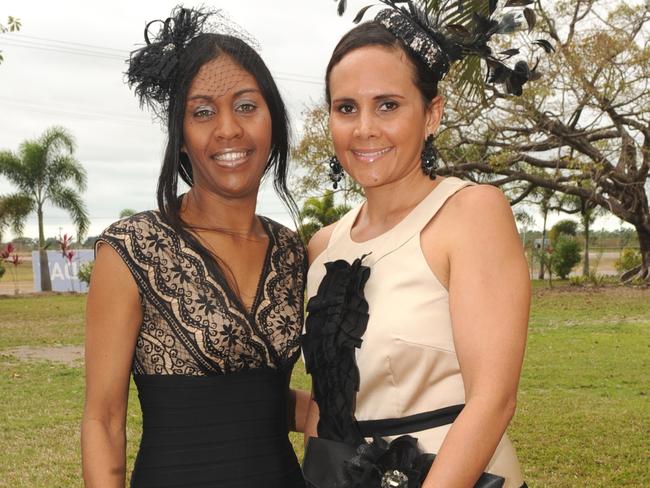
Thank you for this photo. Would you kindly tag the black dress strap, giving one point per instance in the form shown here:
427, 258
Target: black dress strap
411, 423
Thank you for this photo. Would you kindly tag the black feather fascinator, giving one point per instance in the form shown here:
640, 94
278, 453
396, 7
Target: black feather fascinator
153, 70
444, 32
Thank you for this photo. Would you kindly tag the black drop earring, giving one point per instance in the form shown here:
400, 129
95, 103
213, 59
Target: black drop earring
429, 158
336, 171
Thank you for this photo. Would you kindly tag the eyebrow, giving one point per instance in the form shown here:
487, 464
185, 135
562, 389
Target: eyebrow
246, 90
382, 96
239, 93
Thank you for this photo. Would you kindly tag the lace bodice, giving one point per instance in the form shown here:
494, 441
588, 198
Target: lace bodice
193, 324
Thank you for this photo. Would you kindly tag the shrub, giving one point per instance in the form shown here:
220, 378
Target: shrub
577, 280
629, 259
85, 270
2, 269
597, 279
566, 254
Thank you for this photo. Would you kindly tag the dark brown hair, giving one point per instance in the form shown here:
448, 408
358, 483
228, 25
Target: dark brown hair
375, 34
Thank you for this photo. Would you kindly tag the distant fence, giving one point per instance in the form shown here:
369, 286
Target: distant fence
64, 274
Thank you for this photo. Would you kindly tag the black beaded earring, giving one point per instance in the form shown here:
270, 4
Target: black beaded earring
429, 158
336, 171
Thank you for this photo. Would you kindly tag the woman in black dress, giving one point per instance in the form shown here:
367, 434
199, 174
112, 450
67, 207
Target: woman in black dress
201, 300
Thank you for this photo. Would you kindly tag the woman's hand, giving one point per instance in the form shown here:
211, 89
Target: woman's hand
311, 423
113, 317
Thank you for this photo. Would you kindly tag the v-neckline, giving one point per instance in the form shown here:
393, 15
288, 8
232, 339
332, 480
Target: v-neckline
225, 286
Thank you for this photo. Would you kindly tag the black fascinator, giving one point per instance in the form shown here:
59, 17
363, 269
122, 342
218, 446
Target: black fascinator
444, 32
154, 69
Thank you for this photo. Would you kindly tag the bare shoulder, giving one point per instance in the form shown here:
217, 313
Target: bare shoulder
319, 241
478, 209
480, 201
110, 273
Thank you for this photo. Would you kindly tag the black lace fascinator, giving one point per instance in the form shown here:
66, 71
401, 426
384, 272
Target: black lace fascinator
154, 69
443, 32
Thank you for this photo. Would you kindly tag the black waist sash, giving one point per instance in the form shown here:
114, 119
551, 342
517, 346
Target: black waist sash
219, 431
410, 423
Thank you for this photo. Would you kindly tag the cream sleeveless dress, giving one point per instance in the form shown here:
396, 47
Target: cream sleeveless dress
407, 361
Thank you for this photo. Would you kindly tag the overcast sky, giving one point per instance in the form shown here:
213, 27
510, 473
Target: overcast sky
65, 67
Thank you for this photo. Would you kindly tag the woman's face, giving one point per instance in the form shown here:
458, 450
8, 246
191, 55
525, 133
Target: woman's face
226, 129
378, 118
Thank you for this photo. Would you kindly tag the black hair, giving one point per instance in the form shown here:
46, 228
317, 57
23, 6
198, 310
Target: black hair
199, 51
161, 73
374, 34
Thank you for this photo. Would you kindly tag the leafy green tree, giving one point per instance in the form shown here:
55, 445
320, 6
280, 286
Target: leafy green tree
589, 212
565, 250
565, 227
45, 171
14, 209
13, 25
316, 213
545, 204
583, 129
127, 212
565, 255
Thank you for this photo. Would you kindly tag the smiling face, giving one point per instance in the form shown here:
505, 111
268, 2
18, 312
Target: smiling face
226, 129
378, 118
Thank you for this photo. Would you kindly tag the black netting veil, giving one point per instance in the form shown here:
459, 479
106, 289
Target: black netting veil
157, 70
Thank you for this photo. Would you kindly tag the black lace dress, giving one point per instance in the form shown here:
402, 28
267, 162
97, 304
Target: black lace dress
212, 377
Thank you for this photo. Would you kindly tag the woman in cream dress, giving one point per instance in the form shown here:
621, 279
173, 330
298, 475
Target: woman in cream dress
419, 297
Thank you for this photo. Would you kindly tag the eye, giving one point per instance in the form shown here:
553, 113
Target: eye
203, 112
246, 107
388, 106
346, 108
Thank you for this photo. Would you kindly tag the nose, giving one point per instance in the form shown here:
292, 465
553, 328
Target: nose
366, 126
227, 126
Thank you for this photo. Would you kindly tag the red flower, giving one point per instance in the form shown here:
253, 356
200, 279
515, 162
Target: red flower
64, 245
8, 250
15, 260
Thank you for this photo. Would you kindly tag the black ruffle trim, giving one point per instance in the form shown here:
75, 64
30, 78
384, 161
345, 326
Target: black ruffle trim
337, 319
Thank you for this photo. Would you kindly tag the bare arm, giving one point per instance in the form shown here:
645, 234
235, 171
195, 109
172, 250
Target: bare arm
113, 317
317, 245
489, 299
298, 409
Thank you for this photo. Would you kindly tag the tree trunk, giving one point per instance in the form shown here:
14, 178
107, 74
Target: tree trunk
585, 260
644, 242
542, 254
46, 282
644, 247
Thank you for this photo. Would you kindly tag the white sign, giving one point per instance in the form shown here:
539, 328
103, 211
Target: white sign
63, 273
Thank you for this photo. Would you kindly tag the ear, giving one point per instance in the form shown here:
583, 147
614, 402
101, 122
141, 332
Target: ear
434, 115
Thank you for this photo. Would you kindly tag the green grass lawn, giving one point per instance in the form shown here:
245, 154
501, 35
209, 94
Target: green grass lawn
582, 418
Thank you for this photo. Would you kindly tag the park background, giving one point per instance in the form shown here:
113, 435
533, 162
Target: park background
583, 416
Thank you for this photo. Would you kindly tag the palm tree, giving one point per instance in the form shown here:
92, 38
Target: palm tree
42, 170
319, 212
127, 212
14, 209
